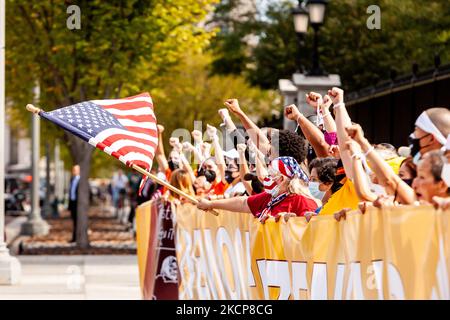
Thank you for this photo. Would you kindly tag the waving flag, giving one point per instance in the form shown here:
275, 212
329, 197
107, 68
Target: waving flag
123, 128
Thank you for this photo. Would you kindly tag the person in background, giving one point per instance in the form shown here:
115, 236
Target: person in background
407, 171
133, 191
271, 142
444, 202
181, 180
73, 199
325, 179
201, 186
119, 185
431, 129
233, 178
286, 191
429, 182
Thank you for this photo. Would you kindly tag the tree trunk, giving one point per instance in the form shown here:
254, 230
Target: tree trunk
81, 154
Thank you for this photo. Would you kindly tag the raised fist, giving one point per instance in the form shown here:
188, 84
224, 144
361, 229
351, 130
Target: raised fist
337, 95
197, 135
160, 128
353, 147
314, 99
291, 112
224, 113
355, 132
326, 102
187, 146
241, 147
334, 151
174, 142
211, 131
233, 106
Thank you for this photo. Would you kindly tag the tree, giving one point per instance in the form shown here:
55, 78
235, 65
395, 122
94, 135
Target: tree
122, 48
190, 93
411, 31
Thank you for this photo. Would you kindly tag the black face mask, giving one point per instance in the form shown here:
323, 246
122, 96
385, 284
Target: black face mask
210, 175
229, 176
173, 165
408, 181
414, 144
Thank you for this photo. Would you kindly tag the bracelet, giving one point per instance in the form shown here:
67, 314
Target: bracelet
369, 151
340, 104
357, 156
326, 115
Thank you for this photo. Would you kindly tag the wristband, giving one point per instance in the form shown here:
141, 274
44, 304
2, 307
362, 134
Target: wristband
356, 155
326, 114
340, 104
369, 151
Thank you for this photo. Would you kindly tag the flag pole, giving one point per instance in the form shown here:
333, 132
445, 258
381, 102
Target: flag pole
35, 110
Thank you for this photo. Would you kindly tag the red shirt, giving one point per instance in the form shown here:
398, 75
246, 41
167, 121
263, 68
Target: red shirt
294, 203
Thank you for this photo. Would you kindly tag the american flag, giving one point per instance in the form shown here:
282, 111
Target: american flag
123, 128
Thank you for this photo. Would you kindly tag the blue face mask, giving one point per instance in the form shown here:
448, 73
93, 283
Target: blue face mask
416, 158
315, 191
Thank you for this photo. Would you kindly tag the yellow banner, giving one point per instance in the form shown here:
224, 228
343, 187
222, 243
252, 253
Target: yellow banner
398, 253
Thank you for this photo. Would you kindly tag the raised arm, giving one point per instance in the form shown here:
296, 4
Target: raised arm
342, 121
218, 152
311, 132
384, 173
186, 166
236, 204
261, 168
198, 157
255, 133
359, 174
328, 121
159, 154
243, 167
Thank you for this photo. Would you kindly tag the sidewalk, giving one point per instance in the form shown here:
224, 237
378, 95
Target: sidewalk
76, 277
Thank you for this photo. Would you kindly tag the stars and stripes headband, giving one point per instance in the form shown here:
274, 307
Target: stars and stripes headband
288, 167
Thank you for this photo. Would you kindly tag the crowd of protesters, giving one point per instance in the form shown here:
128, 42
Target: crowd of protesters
323, 168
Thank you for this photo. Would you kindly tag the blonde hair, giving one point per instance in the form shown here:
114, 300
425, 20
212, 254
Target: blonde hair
300, 187
180, 179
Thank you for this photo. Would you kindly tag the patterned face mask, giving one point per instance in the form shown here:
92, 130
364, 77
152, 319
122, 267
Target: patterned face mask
271, 186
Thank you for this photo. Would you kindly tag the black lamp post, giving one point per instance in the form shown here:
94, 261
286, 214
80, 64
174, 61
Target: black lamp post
316, 10
301, 17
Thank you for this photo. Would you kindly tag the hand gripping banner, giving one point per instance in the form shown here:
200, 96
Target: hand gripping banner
393, 253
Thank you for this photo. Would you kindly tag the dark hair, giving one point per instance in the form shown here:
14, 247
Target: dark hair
408, 162
327, 171
292, 145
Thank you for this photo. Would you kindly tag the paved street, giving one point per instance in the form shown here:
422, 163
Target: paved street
76, 277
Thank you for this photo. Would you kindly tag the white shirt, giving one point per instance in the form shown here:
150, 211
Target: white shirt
120, 182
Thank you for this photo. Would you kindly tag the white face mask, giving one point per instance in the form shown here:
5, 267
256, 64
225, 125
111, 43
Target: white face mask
313, 187
445, 174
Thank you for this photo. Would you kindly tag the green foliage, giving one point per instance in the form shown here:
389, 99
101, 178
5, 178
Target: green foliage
123, 48
190, 94
411, 31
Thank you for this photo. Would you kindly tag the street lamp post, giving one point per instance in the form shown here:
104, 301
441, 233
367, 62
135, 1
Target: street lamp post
316, 9
35, 225
9, 266
301, 17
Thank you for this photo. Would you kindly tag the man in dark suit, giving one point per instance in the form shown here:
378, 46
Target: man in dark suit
73, 198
